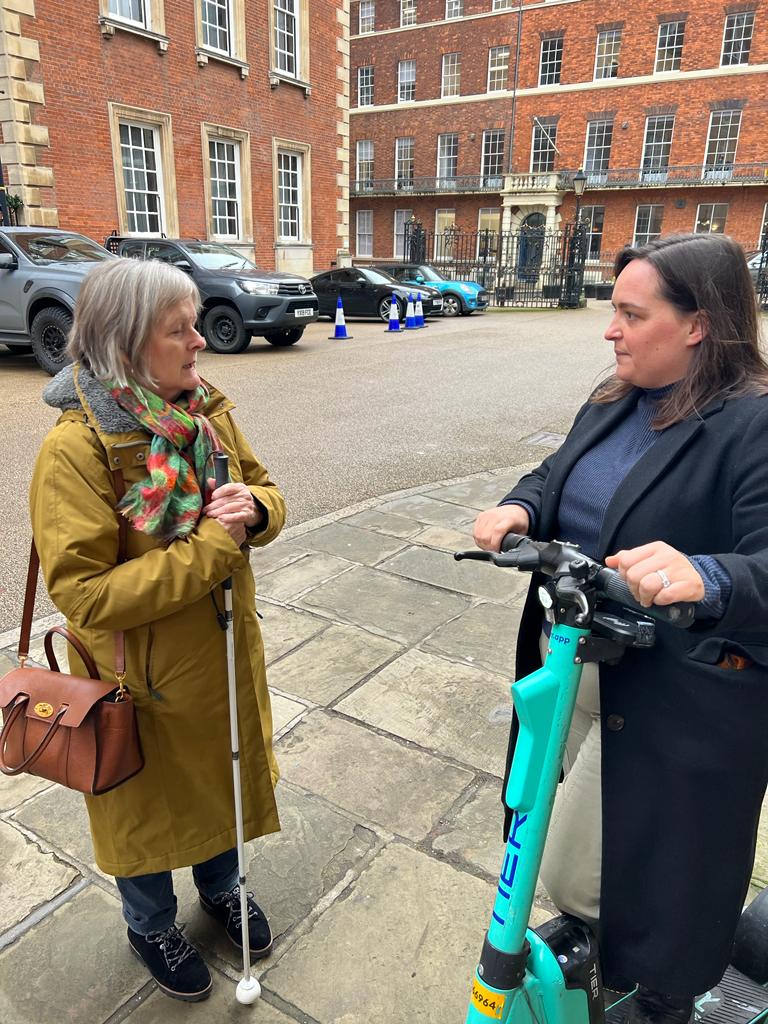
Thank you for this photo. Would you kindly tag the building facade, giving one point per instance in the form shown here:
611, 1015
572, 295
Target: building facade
216, 119
475, 114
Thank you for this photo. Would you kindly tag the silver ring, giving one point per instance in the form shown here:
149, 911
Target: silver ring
665, 580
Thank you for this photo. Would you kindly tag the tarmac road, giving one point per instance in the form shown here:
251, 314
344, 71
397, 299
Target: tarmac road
337, 422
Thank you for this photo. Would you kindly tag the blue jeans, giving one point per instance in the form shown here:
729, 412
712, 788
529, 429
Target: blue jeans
149, 904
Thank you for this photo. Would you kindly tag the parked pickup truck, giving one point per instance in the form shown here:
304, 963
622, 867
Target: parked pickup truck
41, 270
240, 300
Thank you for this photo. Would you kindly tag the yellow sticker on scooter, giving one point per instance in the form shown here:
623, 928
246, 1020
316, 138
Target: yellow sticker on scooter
491, 1004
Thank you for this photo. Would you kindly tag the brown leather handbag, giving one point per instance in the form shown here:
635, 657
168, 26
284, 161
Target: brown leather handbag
79, 732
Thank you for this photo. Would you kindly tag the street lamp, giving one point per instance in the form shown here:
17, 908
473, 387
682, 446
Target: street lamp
571, 296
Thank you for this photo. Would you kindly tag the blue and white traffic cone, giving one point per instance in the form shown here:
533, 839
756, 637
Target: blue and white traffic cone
394, 316
418, 312
340, 331
410, 316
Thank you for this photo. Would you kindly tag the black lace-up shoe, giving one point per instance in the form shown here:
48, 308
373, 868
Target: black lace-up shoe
226, 909
174, 963
647, 1007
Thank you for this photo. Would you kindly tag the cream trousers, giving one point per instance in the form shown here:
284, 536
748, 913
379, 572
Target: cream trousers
570, 870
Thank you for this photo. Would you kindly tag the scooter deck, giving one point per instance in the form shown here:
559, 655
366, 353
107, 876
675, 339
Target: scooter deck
736, 1000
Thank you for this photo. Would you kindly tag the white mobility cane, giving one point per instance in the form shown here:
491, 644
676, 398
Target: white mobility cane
248, 988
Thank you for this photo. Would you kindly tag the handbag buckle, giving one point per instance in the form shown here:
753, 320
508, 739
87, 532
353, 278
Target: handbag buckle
43, 710
120, 677
23, 660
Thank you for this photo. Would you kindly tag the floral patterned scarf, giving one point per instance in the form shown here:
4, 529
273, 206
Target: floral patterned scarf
167, 503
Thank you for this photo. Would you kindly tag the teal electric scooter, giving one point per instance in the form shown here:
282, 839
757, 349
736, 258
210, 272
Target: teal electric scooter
551, 974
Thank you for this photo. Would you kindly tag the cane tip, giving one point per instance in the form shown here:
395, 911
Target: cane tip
248, 991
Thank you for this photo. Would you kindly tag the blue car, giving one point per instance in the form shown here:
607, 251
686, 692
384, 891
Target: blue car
459, 297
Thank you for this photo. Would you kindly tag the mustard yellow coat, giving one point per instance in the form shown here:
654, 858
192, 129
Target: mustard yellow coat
179, 809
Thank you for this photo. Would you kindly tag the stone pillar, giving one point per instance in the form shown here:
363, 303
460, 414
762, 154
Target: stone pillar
22, 140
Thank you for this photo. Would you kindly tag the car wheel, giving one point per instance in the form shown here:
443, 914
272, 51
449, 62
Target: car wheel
384, 307
283, 338
451, 305
50, 331
224, 330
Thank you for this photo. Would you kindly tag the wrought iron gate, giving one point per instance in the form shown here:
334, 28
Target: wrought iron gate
761, 281
530, 267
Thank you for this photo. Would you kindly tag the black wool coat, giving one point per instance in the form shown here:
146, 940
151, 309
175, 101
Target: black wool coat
685, 761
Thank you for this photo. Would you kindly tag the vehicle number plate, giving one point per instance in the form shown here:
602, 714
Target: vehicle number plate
437, 303
304, 311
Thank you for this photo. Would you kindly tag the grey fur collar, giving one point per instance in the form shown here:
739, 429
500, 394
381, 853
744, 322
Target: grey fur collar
61, 394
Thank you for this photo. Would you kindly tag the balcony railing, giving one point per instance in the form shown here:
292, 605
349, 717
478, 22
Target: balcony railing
674, 176
535, 182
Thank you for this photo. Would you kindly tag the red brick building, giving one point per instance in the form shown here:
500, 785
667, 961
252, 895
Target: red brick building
477, 113
212, 118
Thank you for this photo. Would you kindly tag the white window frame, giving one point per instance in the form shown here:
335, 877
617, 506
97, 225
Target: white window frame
366, 17
711, 171
495, 232
454, 9
597, 176
155, 132
236, 161
450, 75
284, 155
711, 207
398, 251
733, 22
228, 7
662, 54
547, 133
587, 217
360, 217
371, 68
444, 247
145, 21
616, 39
498, 64
647, 234
406, 80
286, 13
407, 13
501, 5
552, 67
656, 167
443, 156
492, 147
405, 155
763, 227
361, 179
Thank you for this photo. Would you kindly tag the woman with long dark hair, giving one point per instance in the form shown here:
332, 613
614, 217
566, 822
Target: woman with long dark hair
664, 476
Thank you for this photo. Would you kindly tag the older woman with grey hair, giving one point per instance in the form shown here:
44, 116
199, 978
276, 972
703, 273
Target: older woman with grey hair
137, 428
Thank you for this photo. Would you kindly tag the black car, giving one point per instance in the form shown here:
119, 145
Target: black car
240, 300
365, 291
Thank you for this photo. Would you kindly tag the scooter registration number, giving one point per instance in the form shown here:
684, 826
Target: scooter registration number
491, 1004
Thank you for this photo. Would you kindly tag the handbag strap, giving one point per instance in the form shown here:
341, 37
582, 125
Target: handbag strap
31, 588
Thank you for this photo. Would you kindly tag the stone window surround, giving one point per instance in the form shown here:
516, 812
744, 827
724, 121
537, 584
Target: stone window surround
208, 132
278, 77
305, 151
237, 56
110, 24
162, 122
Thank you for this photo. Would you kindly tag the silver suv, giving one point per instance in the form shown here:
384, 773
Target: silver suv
41, 270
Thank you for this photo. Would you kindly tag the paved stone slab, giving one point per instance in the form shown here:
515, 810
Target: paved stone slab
74, 966
478, 579
18, 788
383, 522
289, 872
221, 1007
303, 574
331, 663
363, 546
438, 704
30, 877
481, 493
485, 635
760, 869
429, 510
445, 538
475, 832
401, 609
401, 789
274, 556
284, 710
7, 662
59, 816
285, 628
368, 960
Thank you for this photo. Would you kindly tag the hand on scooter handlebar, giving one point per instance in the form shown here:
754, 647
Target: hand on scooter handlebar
555, 557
